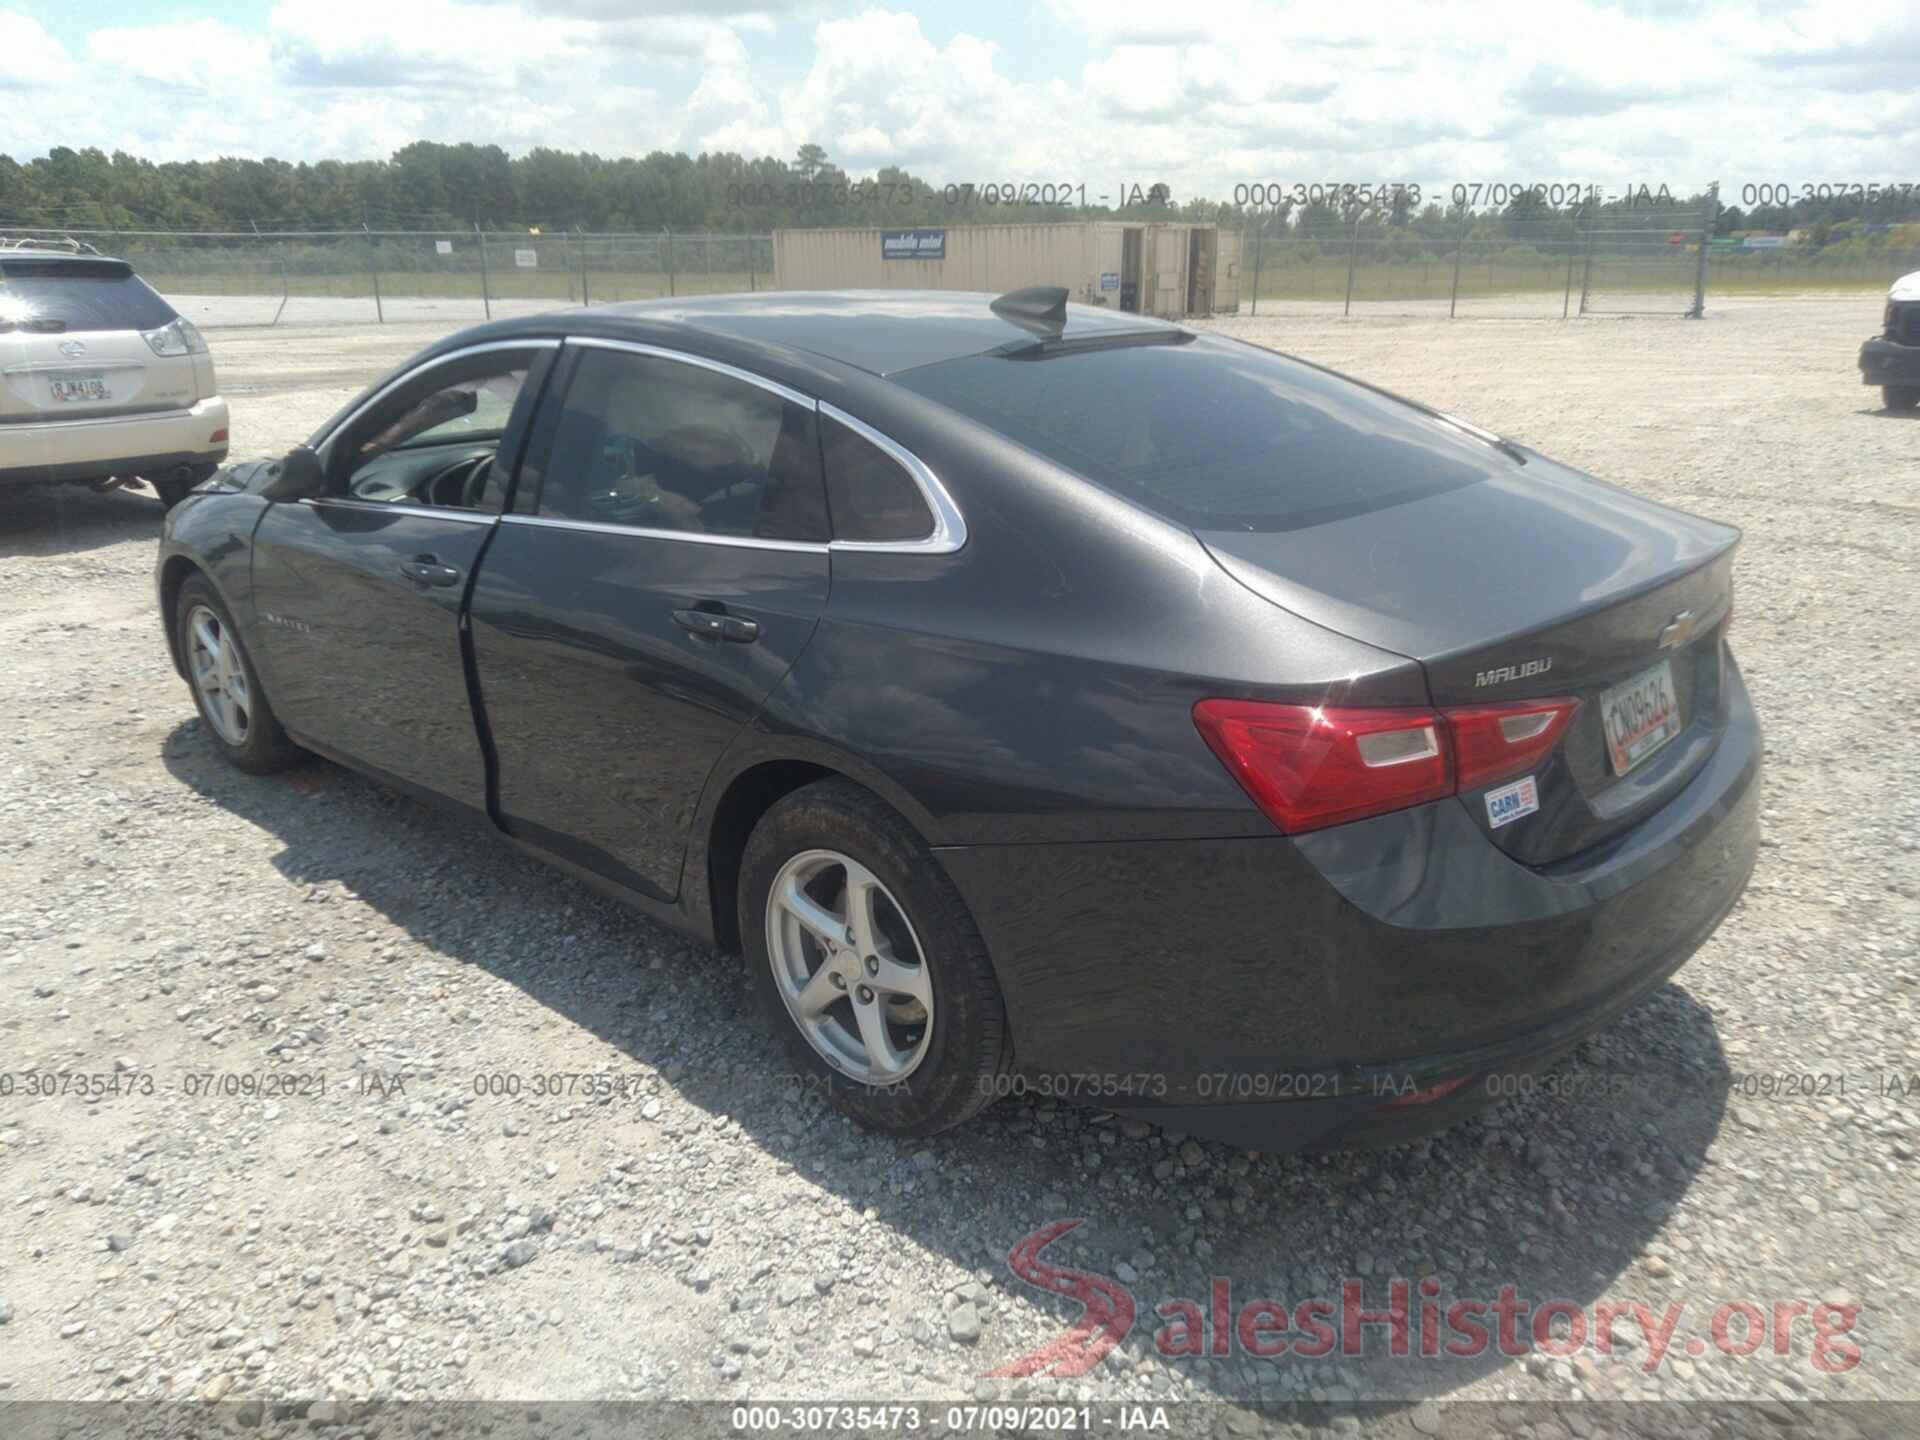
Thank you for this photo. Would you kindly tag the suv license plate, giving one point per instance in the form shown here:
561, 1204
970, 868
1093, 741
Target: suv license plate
1640, 716
80, 387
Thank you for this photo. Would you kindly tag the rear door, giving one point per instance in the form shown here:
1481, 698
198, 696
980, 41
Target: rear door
357, 594
1226, 273
1167, 271
665, 564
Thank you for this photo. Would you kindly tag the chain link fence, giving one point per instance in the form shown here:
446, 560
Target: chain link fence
1655, 260
1482, 266
347, 276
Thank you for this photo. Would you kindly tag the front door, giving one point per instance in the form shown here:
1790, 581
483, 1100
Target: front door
358, 592
641, 602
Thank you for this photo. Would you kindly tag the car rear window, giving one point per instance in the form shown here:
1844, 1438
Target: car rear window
1210, 433
64, 296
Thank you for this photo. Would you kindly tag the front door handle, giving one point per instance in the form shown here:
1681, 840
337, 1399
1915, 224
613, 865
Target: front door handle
427, 570
718, 625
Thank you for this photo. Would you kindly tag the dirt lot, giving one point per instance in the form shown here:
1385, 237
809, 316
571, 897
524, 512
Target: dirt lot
396, 1232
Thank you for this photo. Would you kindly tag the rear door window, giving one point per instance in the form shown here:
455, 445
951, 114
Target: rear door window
1212, 434
62, 297
661, 444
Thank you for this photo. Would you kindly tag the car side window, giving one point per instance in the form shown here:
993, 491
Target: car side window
869, 493
660, 444
434, 441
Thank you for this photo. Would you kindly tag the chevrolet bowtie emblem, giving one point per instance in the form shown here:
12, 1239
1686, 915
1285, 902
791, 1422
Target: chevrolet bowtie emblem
1679, 630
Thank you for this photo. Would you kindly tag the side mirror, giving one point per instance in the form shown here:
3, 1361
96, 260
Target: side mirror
298, 477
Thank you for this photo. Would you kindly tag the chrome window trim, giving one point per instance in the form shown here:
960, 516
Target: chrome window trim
532, 343
949, 526
381, 507
699, 362
697, 537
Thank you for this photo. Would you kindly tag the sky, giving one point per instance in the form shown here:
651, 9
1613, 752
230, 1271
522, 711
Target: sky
1100, 93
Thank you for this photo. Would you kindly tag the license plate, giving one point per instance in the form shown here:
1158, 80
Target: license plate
80, 387
1640, 716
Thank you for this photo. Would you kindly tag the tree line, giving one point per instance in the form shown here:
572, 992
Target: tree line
433, 186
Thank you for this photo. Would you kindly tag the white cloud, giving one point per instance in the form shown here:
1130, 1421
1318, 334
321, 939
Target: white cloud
376, 44
30, 58
188, 55
1612, 91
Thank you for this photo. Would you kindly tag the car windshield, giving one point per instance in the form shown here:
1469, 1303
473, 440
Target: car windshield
70, 296
1212, 434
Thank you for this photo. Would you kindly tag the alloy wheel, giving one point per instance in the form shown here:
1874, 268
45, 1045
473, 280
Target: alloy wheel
219, 675
849, 967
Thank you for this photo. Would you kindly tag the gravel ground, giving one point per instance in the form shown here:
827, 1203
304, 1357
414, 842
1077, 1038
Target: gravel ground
711, 1233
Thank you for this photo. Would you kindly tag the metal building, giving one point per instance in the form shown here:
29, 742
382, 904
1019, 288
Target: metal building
1168, 269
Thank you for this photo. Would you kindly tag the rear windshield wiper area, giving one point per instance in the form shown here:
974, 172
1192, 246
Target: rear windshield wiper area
1048, 349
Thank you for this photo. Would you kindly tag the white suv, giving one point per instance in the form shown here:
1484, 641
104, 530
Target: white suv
100, 381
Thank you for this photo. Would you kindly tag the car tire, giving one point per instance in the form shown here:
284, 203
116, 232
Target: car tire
243, 728
1900, 397
816, 839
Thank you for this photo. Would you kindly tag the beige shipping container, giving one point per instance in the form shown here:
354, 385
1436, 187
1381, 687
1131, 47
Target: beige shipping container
1155, 269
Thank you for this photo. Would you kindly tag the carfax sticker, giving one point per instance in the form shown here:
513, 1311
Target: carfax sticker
1511, 802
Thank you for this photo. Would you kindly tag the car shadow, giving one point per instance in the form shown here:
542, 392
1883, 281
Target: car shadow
1883, 412
1557, 1193
65, 519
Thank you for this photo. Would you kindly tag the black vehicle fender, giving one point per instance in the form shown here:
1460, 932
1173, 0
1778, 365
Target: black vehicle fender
213, 535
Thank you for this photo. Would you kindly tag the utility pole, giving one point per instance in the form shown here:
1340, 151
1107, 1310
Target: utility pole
1586, 274
1709, 214
373, 267
486, 288
1259, 236
1459, 244
1353, 246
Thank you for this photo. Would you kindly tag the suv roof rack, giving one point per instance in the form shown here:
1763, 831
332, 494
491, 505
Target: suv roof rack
65, 242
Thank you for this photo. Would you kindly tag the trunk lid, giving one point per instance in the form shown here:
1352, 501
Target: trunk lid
1558, 585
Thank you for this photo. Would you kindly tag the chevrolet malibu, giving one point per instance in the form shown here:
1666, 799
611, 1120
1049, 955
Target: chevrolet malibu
1039, 697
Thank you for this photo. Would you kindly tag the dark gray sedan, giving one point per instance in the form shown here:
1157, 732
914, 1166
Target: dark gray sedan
1040, 697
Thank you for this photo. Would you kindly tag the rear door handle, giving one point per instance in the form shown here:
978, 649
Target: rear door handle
427, 570
718, 625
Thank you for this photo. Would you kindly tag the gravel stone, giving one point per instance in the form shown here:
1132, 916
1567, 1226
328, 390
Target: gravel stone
963, 1324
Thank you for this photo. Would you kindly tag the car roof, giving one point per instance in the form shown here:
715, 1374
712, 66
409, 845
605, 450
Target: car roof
880, 331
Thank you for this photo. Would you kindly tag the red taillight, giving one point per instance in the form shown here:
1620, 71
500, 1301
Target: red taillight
1497, 742
219, 437
1311, 766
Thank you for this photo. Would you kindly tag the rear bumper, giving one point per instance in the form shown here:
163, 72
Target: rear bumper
123, 445
1286, 992
1884, 362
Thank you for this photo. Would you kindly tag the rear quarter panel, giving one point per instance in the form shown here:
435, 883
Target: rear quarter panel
1037, 685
